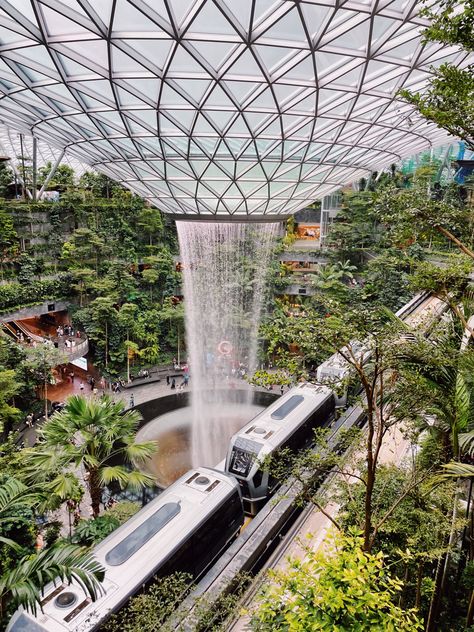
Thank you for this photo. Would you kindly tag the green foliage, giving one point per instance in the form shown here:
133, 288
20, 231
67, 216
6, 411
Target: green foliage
420, 522
23, 584
62, 179
158, 608
413, 215
89, 432
387, 280
451, 26
354, 229
6, 178
99, 185
93, 531
151, 223
9, 387
338, 589
123, 510
449, 100
8, 236
148, 611
16, 295
23, 575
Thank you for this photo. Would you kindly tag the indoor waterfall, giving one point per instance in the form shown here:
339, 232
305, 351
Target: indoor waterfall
224, 270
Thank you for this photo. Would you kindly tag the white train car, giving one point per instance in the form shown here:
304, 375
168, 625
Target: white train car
184, 529
287, 423
334, 371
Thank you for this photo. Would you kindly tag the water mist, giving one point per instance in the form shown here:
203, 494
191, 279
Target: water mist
224, 270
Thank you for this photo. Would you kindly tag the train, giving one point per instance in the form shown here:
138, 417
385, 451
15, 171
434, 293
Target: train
184, 529
191, 523
287, 423
336, 369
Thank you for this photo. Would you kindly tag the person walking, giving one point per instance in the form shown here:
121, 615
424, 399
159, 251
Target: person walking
81, 387
282, 389
132, 401
29, 420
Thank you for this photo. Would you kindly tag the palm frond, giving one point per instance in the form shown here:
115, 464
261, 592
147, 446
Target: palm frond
40, 462
140, 452
23, 584
138, 480
457, 470
65, 485
466, 442
14, 494
114, 473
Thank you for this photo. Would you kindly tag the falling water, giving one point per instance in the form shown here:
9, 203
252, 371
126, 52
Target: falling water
224, 268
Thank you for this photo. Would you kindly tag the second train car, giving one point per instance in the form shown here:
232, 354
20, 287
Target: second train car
287, 423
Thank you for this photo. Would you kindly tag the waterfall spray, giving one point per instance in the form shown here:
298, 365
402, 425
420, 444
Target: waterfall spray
224, 269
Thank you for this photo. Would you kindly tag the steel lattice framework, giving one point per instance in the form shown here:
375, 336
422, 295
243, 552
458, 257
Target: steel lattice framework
10, 145
220, 106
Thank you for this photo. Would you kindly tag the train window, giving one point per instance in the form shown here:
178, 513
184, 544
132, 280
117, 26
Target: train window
257, 479
140, 536
285, 409
25, 624
243, 455
241, 462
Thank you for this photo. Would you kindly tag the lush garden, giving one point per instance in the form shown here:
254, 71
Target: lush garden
400, 555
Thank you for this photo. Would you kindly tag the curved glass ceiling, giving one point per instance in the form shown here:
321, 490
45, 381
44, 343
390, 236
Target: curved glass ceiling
219, 106
11, 146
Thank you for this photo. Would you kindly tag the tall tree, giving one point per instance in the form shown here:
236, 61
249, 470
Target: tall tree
40, 362
151, 223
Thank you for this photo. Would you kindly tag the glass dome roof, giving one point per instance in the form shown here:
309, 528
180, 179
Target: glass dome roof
12, 147
220, 106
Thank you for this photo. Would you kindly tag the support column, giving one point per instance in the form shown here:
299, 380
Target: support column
35, 165
51, 174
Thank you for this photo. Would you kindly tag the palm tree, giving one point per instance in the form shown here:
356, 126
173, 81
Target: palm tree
23, 585
88, 434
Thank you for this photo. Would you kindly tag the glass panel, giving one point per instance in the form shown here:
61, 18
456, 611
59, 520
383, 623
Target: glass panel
128, 18
142, 534
285, 409
25, 624
210, 20
288, 28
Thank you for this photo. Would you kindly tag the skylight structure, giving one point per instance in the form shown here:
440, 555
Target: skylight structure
12, 146
242, 107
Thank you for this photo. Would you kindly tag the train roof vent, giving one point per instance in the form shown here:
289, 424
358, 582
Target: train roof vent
202, 482
66, 599
258, 430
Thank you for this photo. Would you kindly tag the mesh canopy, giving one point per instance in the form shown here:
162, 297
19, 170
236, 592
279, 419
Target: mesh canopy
220, 106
